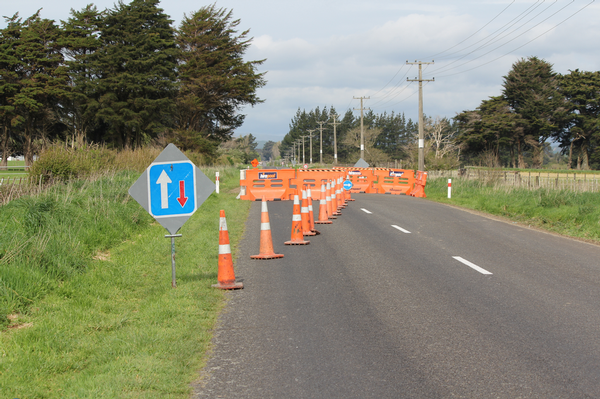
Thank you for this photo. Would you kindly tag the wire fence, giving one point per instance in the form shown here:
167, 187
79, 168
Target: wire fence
578, 182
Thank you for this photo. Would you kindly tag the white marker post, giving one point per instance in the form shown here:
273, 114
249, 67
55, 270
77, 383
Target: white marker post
449, 188
217, 183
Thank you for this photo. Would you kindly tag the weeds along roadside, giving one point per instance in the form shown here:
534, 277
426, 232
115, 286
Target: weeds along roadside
96, 315
566, 212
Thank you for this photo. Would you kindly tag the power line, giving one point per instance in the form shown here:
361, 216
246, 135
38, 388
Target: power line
473, 34
446, 68
517, 48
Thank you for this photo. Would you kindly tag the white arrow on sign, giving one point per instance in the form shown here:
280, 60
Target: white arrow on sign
164, 180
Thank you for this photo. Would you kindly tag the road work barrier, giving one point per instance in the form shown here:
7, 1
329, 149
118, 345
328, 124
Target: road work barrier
281, 184
419, 190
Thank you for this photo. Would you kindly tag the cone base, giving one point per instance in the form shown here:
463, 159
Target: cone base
351, 199
332, 217
266, 256
229, 286
317, 232
309, 233
323, 222
337, 213
299, 242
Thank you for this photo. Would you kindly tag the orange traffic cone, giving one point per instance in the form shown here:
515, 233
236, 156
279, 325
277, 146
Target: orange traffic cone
338, 193
334, 200
329, 202
297, 237
323, 208
306, 231
266, 240
311, 215
226, 275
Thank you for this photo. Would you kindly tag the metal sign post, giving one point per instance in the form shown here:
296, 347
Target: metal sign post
172, 237
171, 190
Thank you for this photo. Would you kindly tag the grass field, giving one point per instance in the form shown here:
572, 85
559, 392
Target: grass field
15, 169
91, 313
566, 212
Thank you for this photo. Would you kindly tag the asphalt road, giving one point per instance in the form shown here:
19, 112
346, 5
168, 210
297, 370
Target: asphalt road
405, 298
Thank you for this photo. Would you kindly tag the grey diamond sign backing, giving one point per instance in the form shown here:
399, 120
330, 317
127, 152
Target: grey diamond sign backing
171, 189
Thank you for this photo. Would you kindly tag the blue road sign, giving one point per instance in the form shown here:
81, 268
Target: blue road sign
171, 189
347, 185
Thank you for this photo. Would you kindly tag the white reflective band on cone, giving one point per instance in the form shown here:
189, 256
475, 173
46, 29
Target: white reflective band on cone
264, 207
222, 224
265, 226
224, 249
297, 218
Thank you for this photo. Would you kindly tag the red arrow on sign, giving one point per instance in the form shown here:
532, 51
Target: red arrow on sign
182, 199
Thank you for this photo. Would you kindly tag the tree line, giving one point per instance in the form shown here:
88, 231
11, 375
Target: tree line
387, 137
124, 77
537, 107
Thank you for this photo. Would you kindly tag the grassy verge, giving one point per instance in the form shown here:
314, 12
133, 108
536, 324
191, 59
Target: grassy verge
111, 326
565, 212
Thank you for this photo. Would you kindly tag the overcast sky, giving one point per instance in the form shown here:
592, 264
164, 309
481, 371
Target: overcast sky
324, 53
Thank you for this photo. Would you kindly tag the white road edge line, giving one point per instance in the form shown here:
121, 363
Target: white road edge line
471, 265
401, 229
365, 211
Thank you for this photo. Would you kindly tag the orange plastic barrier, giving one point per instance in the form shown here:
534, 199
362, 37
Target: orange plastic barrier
419, 190
314, 178
395, 181
273, 184
281, 184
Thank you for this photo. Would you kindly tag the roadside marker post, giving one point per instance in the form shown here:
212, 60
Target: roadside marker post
449, 188
171, 189
217, 182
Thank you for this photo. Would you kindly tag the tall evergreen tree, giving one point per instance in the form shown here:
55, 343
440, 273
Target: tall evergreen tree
42, 79
216, 82
582, 128
81, 40
530, 89
135, 73
9, 86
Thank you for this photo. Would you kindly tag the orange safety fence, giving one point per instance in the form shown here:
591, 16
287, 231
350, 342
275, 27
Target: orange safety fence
419, 190
273, 184
395, 181
281, 184
313, 178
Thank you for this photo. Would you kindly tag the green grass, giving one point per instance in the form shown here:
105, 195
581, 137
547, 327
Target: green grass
575, 214
112, 327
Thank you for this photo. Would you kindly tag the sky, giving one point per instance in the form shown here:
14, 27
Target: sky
325, 53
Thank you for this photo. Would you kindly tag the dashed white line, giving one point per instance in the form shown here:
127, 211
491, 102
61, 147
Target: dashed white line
401, 229
471, 265
365, 211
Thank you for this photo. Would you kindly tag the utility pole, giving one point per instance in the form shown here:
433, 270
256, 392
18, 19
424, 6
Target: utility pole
421, 131
334, 138
362, 135
303, 161
321, 147
298, 141
310, 135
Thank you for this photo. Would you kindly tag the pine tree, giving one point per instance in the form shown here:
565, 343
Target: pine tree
530, 89
41, 78
582, 115
9, 87
215, 80
80, 41
136, 73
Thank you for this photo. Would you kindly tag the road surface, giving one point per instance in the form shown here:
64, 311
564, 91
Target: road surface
405, 298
